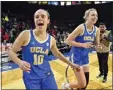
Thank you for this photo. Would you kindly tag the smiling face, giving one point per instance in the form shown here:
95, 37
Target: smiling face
41, 19
92, 17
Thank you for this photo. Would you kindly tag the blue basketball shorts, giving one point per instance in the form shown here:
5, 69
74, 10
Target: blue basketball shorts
79, 58
41, 84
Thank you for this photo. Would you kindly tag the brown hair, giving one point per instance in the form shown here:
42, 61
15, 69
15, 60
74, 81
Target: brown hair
46, 12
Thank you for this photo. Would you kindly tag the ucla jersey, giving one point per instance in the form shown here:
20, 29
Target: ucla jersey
36, 53
79, 55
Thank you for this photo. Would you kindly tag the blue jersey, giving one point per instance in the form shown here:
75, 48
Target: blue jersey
36, 53
79, 55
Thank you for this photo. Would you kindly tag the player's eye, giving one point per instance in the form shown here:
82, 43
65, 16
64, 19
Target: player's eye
43, 16
37, 16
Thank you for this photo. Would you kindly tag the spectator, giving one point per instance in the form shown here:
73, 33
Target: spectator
103, 53
6, 18
6, 38
12, 38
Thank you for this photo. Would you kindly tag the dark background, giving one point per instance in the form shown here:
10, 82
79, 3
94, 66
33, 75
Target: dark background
60, 14
63, 19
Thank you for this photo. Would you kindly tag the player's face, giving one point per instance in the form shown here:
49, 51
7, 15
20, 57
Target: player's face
41, 19
102, 28
93, 17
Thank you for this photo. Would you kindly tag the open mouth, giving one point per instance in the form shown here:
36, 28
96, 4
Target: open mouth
40, 24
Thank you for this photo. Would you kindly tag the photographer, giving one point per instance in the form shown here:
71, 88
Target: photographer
103, 53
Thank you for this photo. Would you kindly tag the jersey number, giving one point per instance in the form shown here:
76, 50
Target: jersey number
38, 59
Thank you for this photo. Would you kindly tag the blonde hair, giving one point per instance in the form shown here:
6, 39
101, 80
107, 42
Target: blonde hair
87, 13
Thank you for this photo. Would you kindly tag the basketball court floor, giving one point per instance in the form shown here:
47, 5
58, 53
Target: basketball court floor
12, 79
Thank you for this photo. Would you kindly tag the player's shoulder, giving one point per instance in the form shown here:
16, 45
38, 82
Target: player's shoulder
97, 27
26, 35
25, 32
81, 26
97, 30
52, 38
52, 41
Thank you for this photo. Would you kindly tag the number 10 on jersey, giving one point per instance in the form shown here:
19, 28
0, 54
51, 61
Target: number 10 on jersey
38, 59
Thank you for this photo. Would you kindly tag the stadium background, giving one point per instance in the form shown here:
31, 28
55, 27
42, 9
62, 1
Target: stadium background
65, 16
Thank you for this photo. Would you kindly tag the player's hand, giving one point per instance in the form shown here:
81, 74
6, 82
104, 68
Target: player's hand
88, 45
76, 66
25, 66
98, 47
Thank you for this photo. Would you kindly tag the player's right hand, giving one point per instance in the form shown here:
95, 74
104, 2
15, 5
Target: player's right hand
88, 45
76, 66
25, 66
98, 47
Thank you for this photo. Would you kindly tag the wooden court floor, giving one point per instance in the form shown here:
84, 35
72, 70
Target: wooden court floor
12, 79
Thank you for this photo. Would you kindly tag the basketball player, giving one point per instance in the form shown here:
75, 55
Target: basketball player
35, 45
81, 39
103, 53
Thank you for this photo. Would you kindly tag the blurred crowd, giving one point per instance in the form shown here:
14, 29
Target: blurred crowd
11, 26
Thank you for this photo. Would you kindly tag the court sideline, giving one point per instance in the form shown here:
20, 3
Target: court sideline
14, 81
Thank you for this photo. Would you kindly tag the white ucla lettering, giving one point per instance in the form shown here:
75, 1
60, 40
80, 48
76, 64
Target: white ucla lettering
88, 38
38, 50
